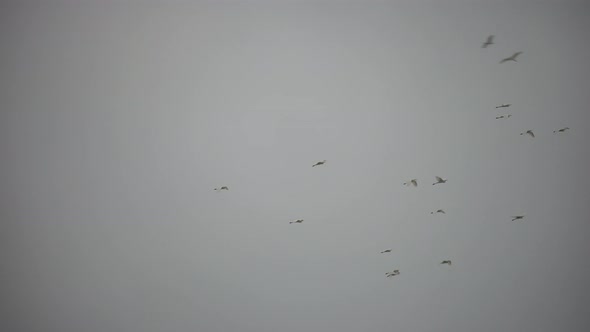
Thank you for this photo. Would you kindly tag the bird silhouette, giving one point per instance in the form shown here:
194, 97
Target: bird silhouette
511, 58
448, 262
517, 217
386, 250
488, 42
503, 105
319, 163
528, 132
438, 211
222, 188
298, 221
413, 183
392, 273
439, 180
503, 116
562, 130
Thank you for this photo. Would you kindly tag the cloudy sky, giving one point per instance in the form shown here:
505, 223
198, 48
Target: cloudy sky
119, 118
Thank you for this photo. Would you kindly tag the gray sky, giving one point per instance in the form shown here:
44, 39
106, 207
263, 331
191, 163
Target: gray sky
120, 117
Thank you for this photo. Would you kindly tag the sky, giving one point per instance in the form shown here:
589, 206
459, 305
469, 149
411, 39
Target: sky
119, 118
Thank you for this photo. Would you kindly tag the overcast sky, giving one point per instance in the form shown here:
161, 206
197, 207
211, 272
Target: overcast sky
118, 119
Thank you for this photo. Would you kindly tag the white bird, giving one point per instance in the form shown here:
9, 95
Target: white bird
503, 116
503, 105
386, 250
222, 188
517, 217
392, 273
511, 58
528, 132
488, 42
298, 221
439, 180
319, 163
413, 183
439, 211
448, 262
562, 130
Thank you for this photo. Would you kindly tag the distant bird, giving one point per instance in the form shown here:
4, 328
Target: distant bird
222, 188
413, 183
511, 58
439, 180
387, 250
392, 273
517, 217
319, 163
528, 132
562, 130
438, 211
503, 105
448, 262
503, 116
298, 221
488, 42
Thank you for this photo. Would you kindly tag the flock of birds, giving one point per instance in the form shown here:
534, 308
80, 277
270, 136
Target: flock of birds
439, 180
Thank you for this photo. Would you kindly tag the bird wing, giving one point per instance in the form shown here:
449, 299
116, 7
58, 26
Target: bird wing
504, 60
515, 55
531, 133
438, 178
415, 183
490, 39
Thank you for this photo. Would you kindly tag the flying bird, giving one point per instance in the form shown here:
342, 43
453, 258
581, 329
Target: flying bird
438, 211
392, 273
503, 105
319, 163
511, 58
413, 183
448, 262
298, 221
488, 42
562, 130
222, 188
439, 180
528, 132
503, 116
387, 250
517, 217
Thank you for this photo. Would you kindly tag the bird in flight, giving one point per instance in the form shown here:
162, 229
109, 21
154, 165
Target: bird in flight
562, 130
392, 273
503, 105
298, 221
319, 163
488, 42
222, 188
387, 250
528, 132
438, 211
511, 58
503, 116
448, 262
439, 180
517, 217
412, 183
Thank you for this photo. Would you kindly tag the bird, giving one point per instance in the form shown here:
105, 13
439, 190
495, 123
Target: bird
488, 42
528, 132
561, 130
387, 250
511, 58
319, 163
439, 180
503, 105
413, 183
517, 217
503, 116
448, 262
392, 273
438, 211
222, 188
298, 221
